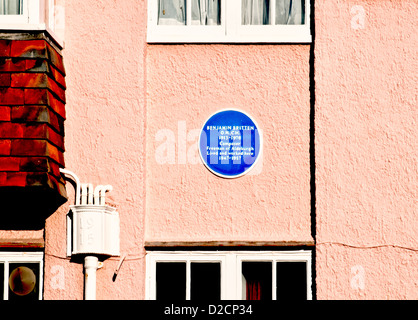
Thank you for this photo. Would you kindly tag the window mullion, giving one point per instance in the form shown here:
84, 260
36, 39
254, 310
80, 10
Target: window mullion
272, 12
309, 279
232, 17
274, 280
41, 276
6, 281
307, 13
238, 282
33, 8
188, 280
229, 281
224, 21
188, 12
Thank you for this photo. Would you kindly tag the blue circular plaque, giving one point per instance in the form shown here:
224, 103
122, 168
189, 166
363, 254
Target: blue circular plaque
230, 143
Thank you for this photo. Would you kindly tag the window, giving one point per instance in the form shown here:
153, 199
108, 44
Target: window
228, 21
172, 279
21, 275
235, 275
13, 12
180, 276
275, 277
32, 15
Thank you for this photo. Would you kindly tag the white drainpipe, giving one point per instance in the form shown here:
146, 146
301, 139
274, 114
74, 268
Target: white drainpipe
93, 229
91, 264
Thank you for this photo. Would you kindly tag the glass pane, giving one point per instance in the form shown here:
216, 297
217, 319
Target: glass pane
24, 281
205, 281
171, 280
257, 280
1, 281
172, 12
290, 11
291, 281
206, 12
255, 12
11, 7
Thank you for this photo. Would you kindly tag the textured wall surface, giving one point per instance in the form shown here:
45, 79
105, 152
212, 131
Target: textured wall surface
104, 55
127, 102
188, 83
366, 149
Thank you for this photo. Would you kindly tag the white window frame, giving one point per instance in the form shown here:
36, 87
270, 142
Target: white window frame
231, 268
284, 256
187, 257
21, 257
38, 15
230, 30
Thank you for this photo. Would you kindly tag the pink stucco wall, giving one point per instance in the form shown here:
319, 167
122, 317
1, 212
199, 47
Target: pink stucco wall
366, 149
104, 61
185, 85
109, 71
126, 98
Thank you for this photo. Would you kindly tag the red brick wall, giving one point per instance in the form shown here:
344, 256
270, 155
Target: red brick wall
32, 114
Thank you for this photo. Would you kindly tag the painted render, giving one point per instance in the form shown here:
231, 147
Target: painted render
366, 149
350, 96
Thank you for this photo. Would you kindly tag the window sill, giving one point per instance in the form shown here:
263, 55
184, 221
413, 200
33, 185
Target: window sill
238, 39
170, 244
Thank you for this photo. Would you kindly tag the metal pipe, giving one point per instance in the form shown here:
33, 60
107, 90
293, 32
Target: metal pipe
76, 181
91, 265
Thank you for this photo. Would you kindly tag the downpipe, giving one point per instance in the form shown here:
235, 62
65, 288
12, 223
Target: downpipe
91, 265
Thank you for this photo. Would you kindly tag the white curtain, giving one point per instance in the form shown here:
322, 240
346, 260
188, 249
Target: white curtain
204, 12
256, 12
11, 6
290, 11
172, 12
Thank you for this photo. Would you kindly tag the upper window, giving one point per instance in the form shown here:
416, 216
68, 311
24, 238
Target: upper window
218, 275
13, 12
231, 21
21, 275
11, 7
32, 15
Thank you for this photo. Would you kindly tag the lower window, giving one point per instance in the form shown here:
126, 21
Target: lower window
171, 280
21, 275
211, 276
274, 280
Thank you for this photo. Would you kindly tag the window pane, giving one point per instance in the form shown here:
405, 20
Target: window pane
206, 12
291, 281
171, 280
290, 11
255, 12
24, 281
11, 6
257, 280
172, 12
205, 281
